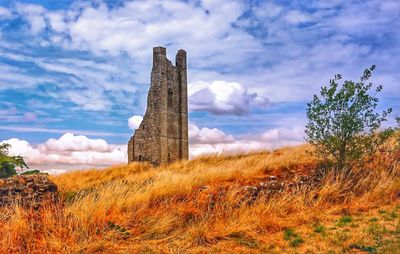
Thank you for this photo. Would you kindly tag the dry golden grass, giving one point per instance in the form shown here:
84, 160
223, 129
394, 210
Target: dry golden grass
197, 207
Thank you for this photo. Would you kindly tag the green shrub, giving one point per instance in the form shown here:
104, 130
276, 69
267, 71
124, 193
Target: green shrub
9, 163
342, 122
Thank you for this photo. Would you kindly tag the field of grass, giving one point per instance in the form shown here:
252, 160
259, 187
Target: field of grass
212, 205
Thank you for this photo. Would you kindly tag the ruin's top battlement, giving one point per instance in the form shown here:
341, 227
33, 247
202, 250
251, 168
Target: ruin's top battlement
161, 53
160, 50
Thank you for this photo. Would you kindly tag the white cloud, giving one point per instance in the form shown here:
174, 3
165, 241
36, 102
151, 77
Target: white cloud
68, 150
214, 141
57, 21
283, 136
4, 13
34, 14
221, 97
134, 122
296, 17
133, 26
267, 10
71, 142
88, 99
21, 148
208, 136
89, 84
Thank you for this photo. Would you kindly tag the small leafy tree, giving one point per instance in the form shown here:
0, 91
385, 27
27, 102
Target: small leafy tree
342, 122
9, 163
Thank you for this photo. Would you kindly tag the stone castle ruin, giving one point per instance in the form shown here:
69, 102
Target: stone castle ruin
162, 137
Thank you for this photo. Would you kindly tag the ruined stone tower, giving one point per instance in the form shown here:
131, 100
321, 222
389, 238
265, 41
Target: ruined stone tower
162, 136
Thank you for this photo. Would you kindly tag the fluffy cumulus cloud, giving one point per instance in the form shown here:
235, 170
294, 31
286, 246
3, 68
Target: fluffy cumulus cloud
22, 148
221, 97
134, 122
208, 136
72, 143
69, 149
214, 141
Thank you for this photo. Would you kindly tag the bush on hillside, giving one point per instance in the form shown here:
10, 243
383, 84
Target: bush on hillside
9, 163
343, 123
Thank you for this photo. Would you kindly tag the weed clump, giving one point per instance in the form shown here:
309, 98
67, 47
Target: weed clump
292, 237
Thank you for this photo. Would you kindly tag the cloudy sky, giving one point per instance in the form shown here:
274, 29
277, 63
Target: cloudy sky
74, 75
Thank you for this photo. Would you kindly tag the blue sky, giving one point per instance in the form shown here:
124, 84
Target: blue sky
83, 67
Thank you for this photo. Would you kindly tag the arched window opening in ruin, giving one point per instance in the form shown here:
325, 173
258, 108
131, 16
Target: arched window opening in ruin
140, 158
169, 157
170, 97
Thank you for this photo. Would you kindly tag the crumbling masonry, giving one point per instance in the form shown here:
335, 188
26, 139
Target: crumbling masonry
162, 137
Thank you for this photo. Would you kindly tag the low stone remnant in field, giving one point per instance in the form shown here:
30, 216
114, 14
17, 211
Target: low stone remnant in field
27, 190
247, 192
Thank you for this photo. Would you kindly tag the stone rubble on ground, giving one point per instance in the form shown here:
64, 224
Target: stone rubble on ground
27, 190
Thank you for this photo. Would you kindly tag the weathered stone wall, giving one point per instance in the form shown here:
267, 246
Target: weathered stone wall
27, 190
162, 136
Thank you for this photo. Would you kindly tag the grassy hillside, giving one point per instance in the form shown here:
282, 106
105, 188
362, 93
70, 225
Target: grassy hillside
267, 202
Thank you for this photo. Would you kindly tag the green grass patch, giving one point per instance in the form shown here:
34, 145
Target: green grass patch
373, 219
344, 221
292, 237
319, 228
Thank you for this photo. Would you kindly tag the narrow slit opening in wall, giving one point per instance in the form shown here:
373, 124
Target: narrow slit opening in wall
170, 97
140, 157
